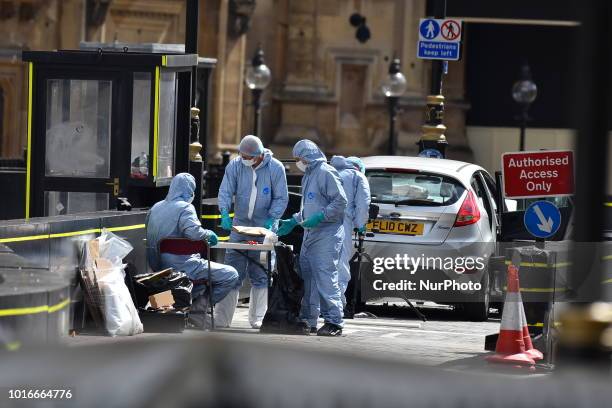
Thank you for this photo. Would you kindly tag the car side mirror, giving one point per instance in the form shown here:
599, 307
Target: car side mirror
373, 212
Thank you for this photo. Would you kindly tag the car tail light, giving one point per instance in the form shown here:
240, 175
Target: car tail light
468, 213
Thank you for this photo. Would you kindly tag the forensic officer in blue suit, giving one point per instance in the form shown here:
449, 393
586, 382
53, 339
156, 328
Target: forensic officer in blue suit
176, 217
357, 190
321, 216
256, 183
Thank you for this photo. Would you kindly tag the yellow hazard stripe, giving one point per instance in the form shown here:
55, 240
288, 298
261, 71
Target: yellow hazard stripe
164, 60
75, 233
156, 121
541, 264
71, 233
608, 204
126, 228
223, 238
607, 281
13, 346
20, 311
543, 290
20, 239
213, 216
29, 141
59, 306
556, 324
556, 265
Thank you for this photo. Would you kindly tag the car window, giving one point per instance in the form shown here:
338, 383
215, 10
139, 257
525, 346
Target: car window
414, 188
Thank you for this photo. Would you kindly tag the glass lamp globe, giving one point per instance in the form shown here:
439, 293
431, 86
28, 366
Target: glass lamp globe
394, 85
258, 76
524, 91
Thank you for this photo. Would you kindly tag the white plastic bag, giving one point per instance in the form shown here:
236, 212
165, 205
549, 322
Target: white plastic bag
120, 313
113, 248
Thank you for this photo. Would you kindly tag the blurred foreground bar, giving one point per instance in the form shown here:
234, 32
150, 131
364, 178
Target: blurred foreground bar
221, 372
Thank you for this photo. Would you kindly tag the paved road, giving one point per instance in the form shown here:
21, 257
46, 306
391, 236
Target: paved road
444, 340
397, 335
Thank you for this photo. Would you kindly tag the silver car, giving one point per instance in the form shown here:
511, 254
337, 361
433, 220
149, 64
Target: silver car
438, 224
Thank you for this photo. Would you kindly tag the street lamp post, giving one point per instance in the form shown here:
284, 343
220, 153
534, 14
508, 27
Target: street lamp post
257, 78
524, 92
393, 87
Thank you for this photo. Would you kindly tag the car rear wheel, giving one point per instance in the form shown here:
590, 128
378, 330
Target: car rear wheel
478, 311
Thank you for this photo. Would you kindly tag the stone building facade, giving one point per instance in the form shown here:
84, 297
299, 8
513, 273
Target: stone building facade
326, 84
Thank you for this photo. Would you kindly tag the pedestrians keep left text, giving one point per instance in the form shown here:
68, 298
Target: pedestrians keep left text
439, 39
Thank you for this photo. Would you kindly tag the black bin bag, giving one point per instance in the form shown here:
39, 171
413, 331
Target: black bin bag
177, 282
285, 296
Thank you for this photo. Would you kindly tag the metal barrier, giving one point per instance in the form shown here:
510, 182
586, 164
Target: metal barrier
49, 247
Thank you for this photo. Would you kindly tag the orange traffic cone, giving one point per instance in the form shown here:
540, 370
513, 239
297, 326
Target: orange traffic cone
514, 344
529, 349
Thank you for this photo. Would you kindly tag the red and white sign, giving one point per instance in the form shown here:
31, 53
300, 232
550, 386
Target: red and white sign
545, 173
450, 30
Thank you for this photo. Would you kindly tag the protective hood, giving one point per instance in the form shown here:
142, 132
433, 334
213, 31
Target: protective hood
341, 163
182, 188
308, 151
357, 162
267, 157
251, 146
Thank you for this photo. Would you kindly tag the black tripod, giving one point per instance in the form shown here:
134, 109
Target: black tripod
354, 303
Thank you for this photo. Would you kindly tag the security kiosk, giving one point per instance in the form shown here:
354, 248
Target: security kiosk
105, 125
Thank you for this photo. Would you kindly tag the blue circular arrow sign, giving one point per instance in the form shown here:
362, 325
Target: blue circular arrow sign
542, 219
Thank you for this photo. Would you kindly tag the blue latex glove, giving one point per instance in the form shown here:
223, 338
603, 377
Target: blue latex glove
226, 221
212, 238
360, 230
314, 221
286, 226
269, 223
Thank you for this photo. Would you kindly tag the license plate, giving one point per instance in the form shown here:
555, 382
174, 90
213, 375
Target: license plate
396, 227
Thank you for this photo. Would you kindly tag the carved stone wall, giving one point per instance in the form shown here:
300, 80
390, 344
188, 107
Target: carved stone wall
143, 21
326, 84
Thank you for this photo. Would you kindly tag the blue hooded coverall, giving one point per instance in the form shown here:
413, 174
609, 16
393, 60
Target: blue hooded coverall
260, 194
319, 258
357, 190
176, 217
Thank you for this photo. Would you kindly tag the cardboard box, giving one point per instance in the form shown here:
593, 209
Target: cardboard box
162, 300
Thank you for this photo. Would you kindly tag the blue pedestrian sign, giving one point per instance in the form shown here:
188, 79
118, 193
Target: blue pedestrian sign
542, 219
429, 29
439, 39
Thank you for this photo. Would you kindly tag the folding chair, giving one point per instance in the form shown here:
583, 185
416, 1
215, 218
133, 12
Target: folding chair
184, 246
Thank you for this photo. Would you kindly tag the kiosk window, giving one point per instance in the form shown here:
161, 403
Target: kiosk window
78, 128
167, 124
141, 125
64, 202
